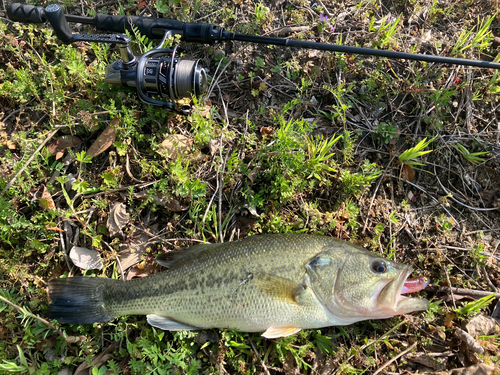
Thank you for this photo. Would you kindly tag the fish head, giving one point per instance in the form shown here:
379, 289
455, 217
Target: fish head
356, 284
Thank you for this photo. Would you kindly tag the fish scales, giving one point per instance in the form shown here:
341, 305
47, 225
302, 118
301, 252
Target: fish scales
274, 283
215, 288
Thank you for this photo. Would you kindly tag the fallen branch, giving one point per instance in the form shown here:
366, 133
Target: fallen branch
460, 291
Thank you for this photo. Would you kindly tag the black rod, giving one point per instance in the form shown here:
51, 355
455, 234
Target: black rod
362, 51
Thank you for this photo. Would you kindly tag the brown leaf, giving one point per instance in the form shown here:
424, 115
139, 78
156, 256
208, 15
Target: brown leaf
59, 145
175, 144
118, 218
46, 199
408, 172
482, 326
135, 251
479, 369
105, 140
160, 199
435, 363
141, 271
86, 259
266, 131
448, 320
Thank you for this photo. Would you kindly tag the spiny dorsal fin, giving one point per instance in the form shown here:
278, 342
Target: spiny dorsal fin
278, 287
275, 332
172, 257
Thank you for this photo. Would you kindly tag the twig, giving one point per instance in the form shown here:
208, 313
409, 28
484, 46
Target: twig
30, 159
460, 291
430, 196
325, 8
449, 283
117, 190
450, 195
127, 168
393, 359
47, 323
264, 367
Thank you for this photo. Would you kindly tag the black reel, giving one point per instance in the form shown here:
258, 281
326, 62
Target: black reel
158, 72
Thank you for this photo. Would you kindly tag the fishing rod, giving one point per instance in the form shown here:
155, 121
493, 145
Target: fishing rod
160, 72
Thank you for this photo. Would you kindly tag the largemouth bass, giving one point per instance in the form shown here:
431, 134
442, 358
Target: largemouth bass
278, 284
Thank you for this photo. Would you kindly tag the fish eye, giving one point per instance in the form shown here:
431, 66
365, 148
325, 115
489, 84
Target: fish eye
379, 266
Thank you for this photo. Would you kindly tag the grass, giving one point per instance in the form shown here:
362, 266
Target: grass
288, 141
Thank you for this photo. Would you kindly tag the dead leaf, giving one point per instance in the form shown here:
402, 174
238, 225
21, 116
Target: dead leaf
435, 363
118, 218
46, 199
59, 145
448, 320
86, 259
408, 172
141, 271
75, 339
105, 140
99, 360
479, 369
170, 203
175, 144
135, 251
213, 146
482, 326
266, 131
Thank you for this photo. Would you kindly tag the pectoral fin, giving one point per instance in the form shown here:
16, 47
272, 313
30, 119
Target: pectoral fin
279, 287
168, 324
275, 332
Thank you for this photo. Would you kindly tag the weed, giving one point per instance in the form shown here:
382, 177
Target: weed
385, 133
475, 307
408, 157
473, 157
481, 39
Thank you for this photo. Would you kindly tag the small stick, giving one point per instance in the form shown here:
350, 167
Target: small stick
393, 359
451, 291
264, 367
127, 168
49, 137
461, 291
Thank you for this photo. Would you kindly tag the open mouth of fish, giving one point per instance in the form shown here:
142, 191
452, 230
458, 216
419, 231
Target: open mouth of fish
395, 291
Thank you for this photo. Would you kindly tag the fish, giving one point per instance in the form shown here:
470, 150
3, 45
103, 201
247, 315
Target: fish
276, 284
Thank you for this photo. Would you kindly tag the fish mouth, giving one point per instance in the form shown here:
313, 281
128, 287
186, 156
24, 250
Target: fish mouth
392, 298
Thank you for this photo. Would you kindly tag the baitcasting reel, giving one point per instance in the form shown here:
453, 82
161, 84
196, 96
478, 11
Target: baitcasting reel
158, 72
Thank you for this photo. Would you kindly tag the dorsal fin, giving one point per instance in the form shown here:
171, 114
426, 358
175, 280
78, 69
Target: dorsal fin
174, 256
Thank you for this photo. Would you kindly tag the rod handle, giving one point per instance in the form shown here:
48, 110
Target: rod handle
26, 13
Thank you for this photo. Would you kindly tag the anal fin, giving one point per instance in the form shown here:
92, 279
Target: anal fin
168, 324
275, 332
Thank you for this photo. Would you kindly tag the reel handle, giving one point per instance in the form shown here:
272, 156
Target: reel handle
55, 16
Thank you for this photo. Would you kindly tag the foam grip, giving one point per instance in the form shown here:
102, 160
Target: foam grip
151, 27
26, 13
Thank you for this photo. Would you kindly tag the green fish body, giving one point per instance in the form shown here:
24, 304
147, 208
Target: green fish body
279, 284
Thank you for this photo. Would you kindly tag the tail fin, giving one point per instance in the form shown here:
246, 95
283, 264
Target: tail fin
79, 300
